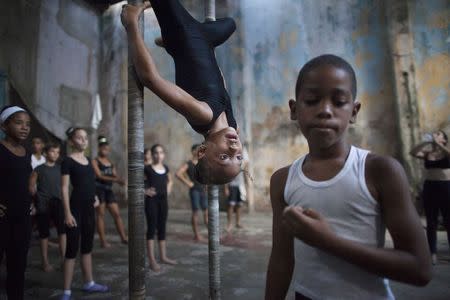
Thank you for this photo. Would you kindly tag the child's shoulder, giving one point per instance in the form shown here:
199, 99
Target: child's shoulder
380, 164
381, 172
278, 180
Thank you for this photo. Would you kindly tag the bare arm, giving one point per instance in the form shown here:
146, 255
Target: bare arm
420, 151
195, 111
33, 183
281, 262
169, 183
440, 144
99, 174
69, 219
409, 261
181, 175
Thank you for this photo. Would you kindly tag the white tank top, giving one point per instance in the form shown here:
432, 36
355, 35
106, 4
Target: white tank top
354, 214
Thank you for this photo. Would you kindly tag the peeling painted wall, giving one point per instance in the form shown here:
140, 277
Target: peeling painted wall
49, 48
67, 66
431, 27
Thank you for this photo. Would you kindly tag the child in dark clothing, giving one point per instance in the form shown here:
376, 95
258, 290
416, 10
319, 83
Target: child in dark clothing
15, 200
106, 175
158, 185
331, 206
45, 183
79, 212
199, 94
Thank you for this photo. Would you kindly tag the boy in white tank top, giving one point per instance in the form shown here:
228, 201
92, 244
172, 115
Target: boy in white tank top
331, 206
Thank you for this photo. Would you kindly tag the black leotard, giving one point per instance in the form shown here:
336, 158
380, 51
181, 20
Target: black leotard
191, 44
82, 178
15, 173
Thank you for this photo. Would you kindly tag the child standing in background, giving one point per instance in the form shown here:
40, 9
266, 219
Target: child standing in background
37, 158
45, 183
106, 175
79, 212
197, 193
158, 186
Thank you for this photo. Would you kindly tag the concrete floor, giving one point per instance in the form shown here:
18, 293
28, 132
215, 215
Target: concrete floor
243, 265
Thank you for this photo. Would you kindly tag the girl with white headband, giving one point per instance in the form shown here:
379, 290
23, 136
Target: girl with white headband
15, 200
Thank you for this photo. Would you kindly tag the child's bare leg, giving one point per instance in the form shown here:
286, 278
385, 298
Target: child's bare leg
163, 253
114, 211
62, 241
205, 217
44, 255
194, 222
69, 265
101, 225
229, 214
238, 216
151, 256
86, 267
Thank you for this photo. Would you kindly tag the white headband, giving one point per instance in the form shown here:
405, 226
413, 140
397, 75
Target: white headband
8, 112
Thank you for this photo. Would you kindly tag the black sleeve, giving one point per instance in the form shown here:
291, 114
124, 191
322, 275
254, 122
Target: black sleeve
66, 166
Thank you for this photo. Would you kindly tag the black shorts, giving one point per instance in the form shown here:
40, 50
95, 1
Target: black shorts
105, 195
235, 197
54, 214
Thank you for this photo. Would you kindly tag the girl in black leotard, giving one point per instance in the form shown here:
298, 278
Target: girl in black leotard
436, 188
106, 175
15, 201
79, 211
199, 94
158, 185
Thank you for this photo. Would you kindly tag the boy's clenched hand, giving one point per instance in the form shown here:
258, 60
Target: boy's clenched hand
308, 226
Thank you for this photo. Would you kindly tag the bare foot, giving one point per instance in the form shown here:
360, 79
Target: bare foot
154, 266
198, 238
47, 268
105, 245
229, 227
168, 261
159, 42
239, 226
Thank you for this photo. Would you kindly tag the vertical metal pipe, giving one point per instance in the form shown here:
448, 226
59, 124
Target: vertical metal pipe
213, 208
214, 242
210, 10
136, 221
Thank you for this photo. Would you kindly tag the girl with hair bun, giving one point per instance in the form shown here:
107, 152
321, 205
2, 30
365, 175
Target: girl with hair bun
106, 175
79, 211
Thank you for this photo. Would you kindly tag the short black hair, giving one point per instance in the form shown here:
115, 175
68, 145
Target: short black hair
51, 145
326, 59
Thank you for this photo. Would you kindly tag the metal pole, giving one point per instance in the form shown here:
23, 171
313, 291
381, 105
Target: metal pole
214, 242
210, 10
136, 221
213, 208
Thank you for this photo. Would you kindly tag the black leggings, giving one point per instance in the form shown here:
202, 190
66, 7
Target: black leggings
436, 197
156, 211
14, 242
85, 219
